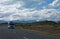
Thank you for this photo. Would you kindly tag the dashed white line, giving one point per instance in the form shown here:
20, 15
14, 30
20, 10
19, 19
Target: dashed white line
25, 33
25, 38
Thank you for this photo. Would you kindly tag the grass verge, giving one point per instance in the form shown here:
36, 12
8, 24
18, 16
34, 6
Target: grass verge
43, 32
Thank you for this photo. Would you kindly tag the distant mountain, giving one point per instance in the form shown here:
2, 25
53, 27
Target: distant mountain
47, 22
29, 21
24, 21
2, 21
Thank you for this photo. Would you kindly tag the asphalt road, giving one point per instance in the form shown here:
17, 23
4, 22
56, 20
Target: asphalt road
6, 33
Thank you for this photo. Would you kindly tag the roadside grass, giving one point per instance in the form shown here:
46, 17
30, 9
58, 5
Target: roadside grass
3, 24
41, 32
47, 30
44, 32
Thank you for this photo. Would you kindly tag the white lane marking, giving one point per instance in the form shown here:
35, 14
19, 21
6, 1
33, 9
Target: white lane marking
25, 33
25, 38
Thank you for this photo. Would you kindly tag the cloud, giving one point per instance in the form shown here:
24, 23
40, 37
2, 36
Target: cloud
10, 9
44, 14
1, 1
55, 4
26, 10
50, 14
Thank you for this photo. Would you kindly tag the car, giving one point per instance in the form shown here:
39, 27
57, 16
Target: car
11, 25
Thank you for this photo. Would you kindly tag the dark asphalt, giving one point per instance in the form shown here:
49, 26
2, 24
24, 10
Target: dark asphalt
5, 33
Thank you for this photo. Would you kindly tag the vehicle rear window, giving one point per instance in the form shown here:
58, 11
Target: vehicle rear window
11, 23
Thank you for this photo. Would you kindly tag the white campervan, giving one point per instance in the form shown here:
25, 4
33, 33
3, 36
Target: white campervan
11, 25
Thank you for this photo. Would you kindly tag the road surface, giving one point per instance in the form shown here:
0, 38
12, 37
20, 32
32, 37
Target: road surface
5, 33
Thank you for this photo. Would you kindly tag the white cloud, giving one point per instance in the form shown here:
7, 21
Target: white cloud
27, 14
2, 1
5, 9
55, 3
10, 8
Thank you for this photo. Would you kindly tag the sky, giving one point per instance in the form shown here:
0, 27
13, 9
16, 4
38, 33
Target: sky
30, 10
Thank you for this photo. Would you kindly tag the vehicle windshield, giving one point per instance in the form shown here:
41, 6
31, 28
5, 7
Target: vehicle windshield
11, 23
